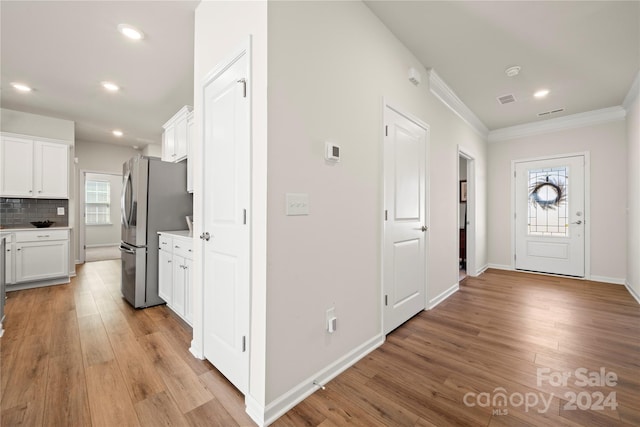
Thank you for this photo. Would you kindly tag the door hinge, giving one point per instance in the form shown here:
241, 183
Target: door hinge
386, 130
386, 300
244, 87
515, 257
244, 343
514, 174
386, 217
244, 217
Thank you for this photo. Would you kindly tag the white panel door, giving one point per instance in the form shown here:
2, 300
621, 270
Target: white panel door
226, 197
550, 216
404, 258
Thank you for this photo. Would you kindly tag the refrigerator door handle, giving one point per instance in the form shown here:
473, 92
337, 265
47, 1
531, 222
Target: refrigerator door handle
123, 207
126, 250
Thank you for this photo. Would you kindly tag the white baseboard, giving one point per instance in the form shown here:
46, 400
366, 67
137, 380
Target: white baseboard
604, 279
482, 270
443, 296
196, 351
274, 410
500, 267
633, 293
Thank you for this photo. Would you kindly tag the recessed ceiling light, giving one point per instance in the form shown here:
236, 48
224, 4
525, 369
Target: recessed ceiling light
513, 71
135, 147
131, 32
21, 87
117, 133
541, 93
111, 87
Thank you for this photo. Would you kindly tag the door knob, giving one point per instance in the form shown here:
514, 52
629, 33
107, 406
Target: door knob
577, 222
205, 236
424, 228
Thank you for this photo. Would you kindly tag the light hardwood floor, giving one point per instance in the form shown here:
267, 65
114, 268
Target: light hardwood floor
78, 355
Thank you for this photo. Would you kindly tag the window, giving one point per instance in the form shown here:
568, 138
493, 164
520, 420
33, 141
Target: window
97, 202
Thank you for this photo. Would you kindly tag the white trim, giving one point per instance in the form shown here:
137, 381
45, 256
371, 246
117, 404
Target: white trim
443, 296
631, 291
470, 208
572, 121
500, 267
634, 90
605, 279
448, 97
263, 416
38, 138
481, 270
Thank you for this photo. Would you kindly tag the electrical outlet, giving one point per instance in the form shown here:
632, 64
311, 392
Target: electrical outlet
61, 211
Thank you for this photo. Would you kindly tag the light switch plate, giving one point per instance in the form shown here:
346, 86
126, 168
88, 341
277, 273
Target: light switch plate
297, 204
61, 211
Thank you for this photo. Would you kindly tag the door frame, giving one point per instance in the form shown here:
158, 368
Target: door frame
471, 211
82, 232
427, 217
587, 208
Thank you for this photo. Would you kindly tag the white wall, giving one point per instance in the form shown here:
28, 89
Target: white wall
220, 28
330, 65
633, 191
106, 234
152, 150
606, 145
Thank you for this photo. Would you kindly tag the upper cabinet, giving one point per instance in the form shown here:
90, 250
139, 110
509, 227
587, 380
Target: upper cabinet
175, 136
33, 167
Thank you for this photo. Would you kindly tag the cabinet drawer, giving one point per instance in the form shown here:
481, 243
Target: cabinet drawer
165, 243
183, 248
41, 235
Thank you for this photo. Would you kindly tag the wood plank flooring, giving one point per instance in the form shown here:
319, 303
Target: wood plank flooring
79, 355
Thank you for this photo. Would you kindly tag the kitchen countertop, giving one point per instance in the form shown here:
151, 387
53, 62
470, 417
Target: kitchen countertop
178, 233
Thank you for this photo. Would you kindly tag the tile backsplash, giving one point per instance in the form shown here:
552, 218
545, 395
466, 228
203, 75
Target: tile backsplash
16, 213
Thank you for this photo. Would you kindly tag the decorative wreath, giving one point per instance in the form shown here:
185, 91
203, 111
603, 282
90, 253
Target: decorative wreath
542, 200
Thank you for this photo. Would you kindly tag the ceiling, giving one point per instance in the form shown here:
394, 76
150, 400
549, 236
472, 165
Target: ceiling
65, 49
586, 53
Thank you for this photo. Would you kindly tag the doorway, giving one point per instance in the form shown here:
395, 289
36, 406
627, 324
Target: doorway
466, 214
550, 215
405, 223
100, 216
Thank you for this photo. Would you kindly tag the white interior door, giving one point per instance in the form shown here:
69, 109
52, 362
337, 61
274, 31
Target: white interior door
226, 197
404, 257
550, 216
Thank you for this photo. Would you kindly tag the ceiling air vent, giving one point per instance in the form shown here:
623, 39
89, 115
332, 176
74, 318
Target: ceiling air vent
548, 113
506, 99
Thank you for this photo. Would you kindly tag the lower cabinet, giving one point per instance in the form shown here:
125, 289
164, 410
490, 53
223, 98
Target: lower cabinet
175, 260
37, 258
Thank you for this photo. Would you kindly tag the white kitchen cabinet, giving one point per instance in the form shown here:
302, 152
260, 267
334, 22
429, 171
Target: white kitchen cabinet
9, 258
191, 139
41, 254
174, 272
34, 168
175, 136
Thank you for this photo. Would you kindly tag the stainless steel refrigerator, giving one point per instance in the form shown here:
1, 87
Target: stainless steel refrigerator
154, 198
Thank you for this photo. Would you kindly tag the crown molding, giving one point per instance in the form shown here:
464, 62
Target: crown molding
444, 93
633, 93
573, 121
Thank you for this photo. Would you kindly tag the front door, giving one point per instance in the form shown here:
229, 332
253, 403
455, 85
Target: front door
226, 266
404, 257
550, 215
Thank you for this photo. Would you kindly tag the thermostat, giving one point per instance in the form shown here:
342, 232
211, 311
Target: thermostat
332, 152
